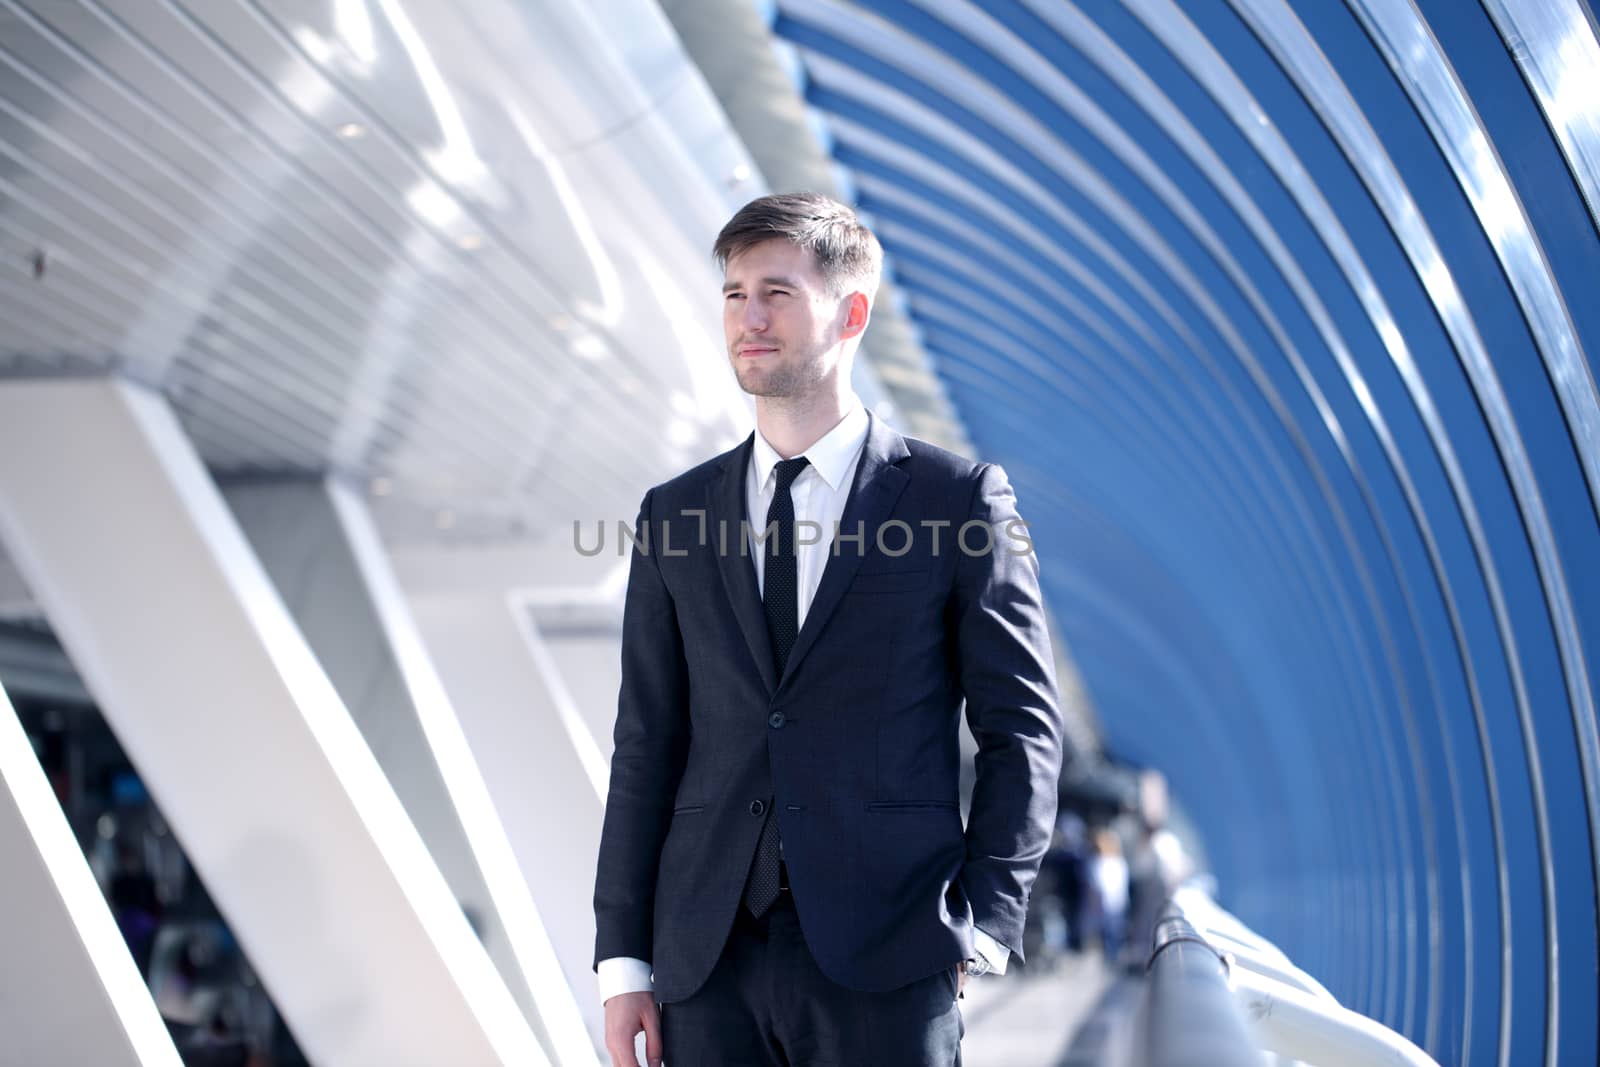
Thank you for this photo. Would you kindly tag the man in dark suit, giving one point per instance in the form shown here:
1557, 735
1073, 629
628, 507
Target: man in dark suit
783, 843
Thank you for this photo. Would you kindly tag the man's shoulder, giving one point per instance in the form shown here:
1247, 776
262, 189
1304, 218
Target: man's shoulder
929, 460
690, 486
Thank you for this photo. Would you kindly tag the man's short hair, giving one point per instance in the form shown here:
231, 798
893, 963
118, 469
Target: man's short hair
847, 254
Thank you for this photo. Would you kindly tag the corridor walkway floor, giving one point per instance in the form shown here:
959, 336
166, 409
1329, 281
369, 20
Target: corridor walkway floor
1030, 1019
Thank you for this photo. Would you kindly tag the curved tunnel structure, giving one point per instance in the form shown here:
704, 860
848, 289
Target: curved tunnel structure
1279, 313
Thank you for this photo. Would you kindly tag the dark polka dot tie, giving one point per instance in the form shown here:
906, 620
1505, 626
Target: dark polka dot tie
780, 587
780, 592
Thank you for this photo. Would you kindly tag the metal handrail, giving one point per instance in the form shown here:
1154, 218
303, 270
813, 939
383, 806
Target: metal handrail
1189, 1014
1246, 948
1218, 987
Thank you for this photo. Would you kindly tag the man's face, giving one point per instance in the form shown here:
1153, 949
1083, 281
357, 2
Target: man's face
783, 326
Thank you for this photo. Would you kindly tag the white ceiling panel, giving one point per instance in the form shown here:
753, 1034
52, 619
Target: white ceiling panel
457, 252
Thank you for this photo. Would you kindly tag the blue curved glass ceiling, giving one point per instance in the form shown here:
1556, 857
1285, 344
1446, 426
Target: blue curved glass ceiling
1281, 315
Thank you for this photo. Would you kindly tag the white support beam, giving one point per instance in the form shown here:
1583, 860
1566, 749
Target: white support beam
544, 767
218, 700
582, 646
319, 544
71, 992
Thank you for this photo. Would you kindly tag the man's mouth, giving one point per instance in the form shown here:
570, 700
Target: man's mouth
751, 351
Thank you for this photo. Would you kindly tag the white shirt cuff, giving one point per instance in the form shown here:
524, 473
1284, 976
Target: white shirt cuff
623, 974
991, 950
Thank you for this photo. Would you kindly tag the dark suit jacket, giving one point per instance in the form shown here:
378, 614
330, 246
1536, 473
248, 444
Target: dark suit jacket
857, 744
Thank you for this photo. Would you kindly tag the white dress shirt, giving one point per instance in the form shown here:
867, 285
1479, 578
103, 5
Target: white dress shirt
819, 495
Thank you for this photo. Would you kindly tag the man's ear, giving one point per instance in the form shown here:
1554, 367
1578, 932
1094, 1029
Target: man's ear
858, 309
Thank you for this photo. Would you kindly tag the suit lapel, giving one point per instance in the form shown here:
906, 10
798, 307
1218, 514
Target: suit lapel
725, 501
879, 483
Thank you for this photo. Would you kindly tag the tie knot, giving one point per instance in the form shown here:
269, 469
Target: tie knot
788, 470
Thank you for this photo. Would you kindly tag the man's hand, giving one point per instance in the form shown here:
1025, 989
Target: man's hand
626, 1015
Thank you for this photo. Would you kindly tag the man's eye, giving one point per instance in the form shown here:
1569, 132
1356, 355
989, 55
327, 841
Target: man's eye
778, 292
735, 296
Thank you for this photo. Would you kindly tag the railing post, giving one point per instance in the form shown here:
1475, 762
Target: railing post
1305, 1027
1190, 1017
1220, 994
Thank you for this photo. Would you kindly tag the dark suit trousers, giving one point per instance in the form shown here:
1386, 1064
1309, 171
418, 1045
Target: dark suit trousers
767, 1004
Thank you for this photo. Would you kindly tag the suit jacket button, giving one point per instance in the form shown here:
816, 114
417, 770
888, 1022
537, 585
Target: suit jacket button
757, 807
776, 720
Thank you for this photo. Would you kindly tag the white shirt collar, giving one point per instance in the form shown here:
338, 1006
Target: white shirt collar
831, 455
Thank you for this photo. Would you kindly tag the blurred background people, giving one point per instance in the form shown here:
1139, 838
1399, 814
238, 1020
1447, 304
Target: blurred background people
1108, 893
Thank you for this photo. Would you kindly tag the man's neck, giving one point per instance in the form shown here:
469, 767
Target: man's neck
792, 425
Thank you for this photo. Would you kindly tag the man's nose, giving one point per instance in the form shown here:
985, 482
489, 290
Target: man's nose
755, 315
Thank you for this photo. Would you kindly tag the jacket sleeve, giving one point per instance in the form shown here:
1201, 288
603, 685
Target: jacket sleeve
1007, 673
650, 745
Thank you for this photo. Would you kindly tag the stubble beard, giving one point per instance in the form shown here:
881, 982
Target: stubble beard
784, 381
